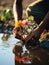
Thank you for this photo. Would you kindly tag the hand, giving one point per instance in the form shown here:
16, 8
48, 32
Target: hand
18, 33
14, 32
33, 34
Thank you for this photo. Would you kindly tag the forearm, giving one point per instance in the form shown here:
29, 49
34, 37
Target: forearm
17, 9
40, 28
44, 23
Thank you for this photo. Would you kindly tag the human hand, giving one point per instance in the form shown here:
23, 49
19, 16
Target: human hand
35, 34
17, 32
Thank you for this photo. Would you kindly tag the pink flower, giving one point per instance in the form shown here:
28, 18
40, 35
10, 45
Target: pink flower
26, 23
25, 59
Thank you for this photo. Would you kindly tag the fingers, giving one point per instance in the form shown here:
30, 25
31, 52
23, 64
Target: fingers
17, 33
30, 35
33, 34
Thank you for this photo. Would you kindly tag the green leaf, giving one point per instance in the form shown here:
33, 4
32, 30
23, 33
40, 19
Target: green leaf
6, 14
3, 18
9, 12
4, 11
31, 18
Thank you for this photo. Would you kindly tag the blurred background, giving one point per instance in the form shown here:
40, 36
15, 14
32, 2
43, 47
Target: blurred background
6, 14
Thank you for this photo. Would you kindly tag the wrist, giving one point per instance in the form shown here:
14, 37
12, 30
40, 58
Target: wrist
41, 27
15, 1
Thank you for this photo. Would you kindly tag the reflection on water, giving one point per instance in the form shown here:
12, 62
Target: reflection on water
6, 54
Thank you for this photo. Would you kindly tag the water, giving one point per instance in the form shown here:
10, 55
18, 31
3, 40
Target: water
6, 54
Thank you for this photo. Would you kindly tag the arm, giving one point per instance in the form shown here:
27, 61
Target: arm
17, 10
44, 22
37, 32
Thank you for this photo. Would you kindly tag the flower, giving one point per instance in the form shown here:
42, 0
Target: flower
18, 24
18, 58
26, 23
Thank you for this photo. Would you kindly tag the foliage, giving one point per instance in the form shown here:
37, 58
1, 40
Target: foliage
6, 14
26, 25
31, 18
5, 37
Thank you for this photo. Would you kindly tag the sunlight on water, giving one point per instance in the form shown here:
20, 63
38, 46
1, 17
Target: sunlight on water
6, 54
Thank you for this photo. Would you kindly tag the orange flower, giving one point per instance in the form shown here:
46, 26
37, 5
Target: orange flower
18, 24
18, 59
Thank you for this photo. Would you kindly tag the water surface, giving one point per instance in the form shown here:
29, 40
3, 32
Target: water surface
6, 54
